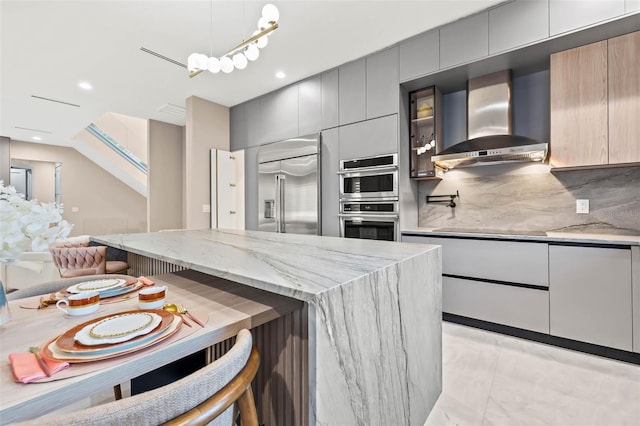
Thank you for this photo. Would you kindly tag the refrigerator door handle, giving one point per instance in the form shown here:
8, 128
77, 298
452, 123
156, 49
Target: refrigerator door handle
280, 179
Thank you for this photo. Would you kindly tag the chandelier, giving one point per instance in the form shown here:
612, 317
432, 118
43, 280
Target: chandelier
239, 56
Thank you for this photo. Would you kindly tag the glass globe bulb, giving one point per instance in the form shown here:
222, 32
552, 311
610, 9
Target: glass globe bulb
213, 64
252, 52
263, 23
270, 12
226, 64
192, 62
201, 61
240, 61
262, 42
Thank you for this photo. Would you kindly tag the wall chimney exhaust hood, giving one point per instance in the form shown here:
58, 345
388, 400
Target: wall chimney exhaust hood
489, 128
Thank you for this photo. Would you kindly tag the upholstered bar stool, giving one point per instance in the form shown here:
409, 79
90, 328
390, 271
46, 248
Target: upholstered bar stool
81, 261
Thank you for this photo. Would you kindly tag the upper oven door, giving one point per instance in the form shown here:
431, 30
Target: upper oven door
370, 184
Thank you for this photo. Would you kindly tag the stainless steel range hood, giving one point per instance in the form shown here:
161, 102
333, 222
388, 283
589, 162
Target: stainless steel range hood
489, 128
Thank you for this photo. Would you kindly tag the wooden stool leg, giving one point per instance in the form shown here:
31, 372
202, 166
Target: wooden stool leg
117, 392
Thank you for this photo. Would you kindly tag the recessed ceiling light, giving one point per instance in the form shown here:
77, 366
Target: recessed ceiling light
280, 74
36, 138
85, 85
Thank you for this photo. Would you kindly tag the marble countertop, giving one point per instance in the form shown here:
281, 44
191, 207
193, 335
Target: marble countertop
550, 236
298, 266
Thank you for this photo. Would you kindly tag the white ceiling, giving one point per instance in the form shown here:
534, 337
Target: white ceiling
47, 47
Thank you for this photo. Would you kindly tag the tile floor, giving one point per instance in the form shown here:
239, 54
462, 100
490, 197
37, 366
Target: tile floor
490, 379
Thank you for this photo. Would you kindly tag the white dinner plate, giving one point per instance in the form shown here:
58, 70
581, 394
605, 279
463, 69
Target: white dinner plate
118, 328
97, 285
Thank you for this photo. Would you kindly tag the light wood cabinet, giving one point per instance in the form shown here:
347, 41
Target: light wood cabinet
624, 98
595, 104
579, 135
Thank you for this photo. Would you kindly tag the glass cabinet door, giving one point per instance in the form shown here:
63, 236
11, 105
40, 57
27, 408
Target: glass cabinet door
425, 132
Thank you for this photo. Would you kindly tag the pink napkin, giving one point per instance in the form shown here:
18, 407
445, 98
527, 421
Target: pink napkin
26, 369
145, 281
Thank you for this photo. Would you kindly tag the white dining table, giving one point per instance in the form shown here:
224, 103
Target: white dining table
229, 307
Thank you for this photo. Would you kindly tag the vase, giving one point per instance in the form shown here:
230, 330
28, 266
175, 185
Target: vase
5, 314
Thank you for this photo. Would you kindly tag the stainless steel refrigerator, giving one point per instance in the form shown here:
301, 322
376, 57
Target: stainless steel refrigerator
289, 186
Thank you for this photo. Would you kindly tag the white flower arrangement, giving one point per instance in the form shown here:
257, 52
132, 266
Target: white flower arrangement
28, 225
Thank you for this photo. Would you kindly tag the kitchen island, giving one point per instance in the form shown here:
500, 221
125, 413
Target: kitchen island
366, 346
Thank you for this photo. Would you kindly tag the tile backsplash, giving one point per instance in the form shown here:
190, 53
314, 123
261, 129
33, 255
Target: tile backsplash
527, 197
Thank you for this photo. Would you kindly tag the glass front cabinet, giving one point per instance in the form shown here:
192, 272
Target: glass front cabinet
425, 132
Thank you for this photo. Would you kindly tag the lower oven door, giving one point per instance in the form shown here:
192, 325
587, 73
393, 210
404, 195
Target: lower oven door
370, 227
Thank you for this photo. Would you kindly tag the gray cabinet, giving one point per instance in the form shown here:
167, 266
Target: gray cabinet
253, 121
330, 183
352, 100
251, 189
635, 289
330, 99
419, 55
382, 84
237, 128
518, 23
369, 138
503, 282
309, 105
465, 40
279, 114
569, 15
590, 295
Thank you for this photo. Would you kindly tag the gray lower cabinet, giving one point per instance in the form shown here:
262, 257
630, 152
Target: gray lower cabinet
330, 183
503, 282
590, 295
369, 138
569, 15
519, 307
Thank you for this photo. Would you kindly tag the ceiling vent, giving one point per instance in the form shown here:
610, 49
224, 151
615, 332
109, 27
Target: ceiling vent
164, 58
175, 110
55, 100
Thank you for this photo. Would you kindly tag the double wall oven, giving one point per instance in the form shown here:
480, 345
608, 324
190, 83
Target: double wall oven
369, 198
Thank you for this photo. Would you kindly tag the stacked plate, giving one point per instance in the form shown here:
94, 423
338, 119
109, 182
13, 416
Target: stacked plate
113, 335
109, 287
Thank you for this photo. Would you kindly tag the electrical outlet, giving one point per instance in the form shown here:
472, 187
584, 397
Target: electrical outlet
206, 208
74, 210
582, 206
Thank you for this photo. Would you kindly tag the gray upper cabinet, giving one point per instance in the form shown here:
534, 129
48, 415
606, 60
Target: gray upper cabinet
279, 114
465, 40
251, 188
590, 295
309, 105
253, 123
369, 138
352, 100
330, 183
382, 90
237, 128
568, 15
518, 23
419, 55
330, 99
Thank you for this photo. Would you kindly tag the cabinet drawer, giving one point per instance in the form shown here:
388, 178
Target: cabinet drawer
510, 261
502, 304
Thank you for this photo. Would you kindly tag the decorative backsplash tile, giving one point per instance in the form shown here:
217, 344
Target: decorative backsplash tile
527, 197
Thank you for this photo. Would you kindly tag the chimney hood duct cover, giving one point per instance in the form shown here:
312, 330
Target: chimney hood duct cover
489, 128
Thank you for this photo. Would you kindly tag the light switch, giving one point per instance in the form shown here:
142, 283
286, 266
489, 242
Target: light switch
206, 208
75, 209
582, 206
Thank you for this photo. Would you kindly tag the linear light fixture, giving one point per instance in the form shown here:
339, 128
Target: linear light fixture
238, 57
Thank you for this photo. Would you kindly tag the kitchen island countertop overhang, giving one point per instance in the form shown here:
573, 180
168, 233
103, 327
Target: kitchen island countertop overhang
373, 345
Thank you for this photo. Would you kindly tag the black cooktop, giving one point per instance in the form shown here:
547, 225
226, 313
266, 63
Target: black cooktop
493, 231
